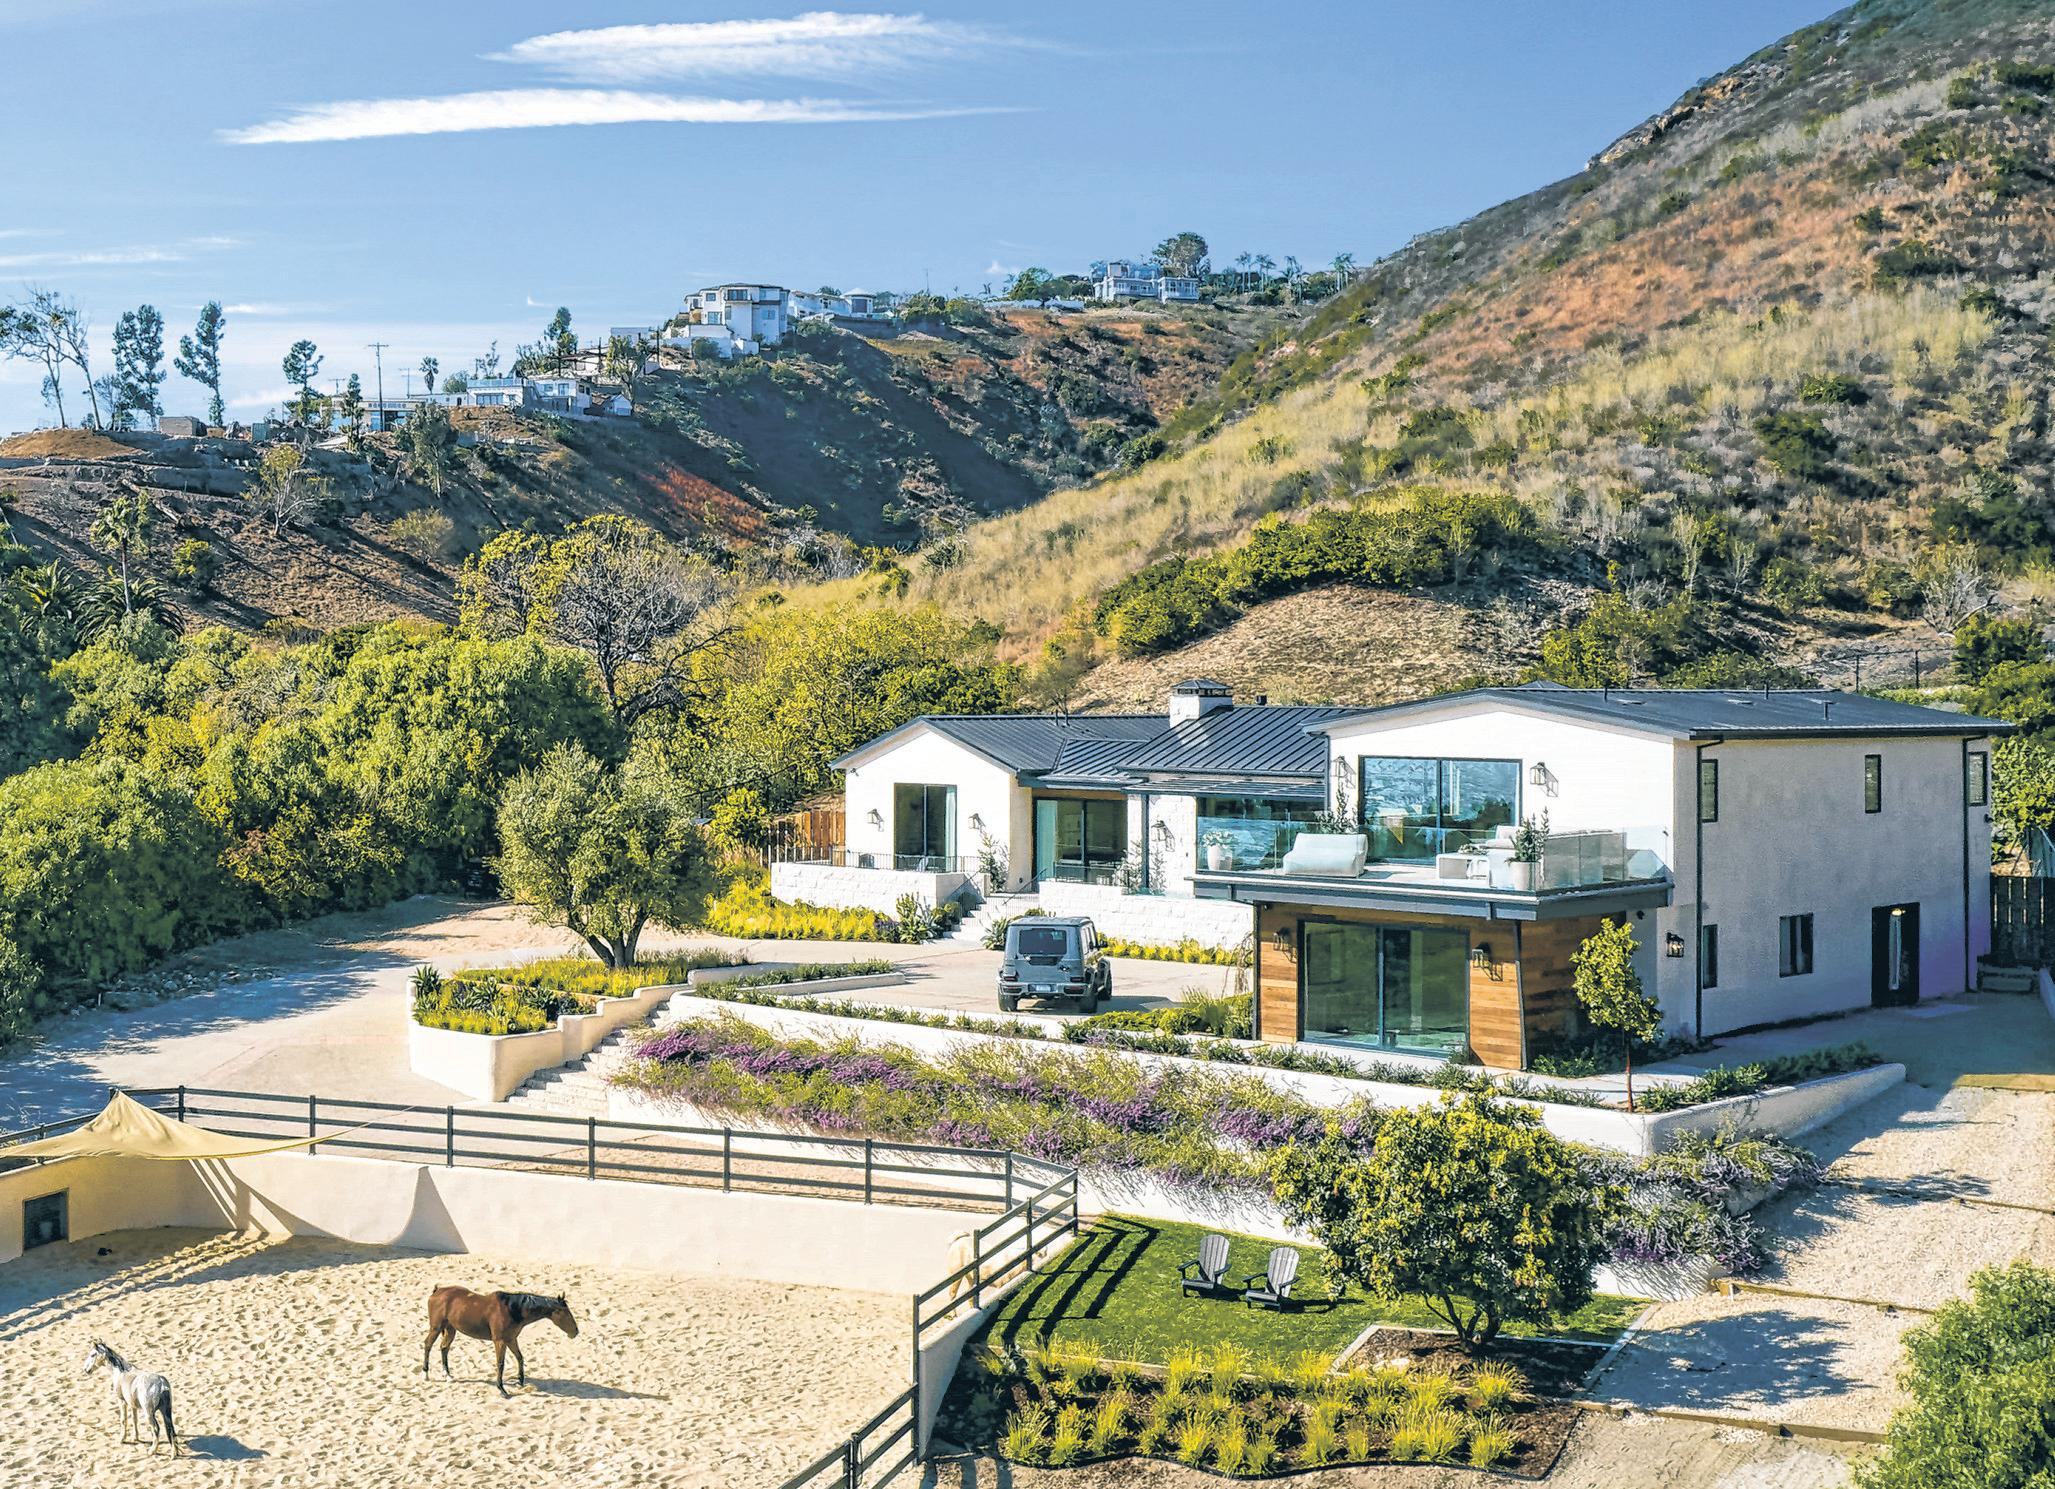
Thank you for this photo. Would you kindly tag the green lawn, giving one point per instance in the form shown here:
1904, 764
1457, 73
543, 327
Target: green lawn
1118, 1288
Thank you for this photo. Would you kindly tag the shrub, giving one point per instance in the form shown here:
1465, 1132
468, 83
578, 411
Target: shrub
1985, 641
1187, 950
194, 564
424, 532
1821, 387
1979, 1376
747, 910
995, 933
1799, 445
1915, 258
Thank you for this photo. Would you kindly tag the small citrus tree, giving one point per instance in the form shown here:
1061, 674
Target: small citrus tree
1981, 1378
1471, 1205
1610, 990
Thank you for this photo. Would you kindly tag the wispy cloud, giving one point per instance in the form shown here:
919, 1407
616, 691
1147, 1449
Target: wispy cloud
545, 108
819, 44
90, 258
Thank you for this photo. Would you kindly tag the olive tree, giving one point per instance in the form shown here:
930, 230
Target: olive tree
1609, 988
1471, 1205
597, 850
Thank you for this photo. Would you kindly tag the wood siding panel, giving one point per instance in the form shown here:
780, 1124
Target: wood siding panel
1277, 976
1546, 947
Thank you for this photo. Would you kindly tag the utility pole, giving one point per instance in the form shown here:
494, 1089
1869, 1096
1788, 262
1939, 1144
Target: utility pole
377, 350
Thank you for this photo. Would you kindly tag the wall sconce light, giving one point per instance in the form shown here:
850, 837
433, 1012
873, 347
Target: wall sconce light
1161, 830
875, 817
1281, 943
1542, 778
1673, 944
977, 820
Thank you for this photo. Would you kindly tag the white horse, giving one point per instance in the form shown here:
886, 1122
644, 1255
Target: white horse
139, 1394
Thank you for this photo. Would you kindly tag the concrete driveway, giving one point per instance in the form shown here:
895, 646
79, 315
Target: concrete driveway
321, 1007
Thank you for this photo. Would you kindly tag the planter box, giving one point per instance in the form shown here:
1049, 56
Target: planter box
819, 985
491, 1067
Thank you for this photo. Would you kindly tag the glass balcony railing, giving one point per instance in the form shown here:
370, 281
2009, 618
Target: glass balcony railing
1468, 860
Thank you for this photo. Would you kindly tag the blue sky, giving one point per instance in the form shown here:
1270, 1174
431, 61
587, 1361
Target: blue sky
352, 172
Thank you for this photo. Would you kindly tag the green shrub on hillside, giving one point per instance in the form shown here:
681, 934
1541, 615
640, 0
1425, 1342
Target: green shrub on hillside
1797, 444
1915, 258
1430, 537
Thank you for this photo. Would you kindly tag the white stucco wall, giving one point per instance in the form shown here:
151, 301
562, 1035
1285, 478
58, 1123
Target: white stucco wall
1793, 838
986, 792
491, 1067
507, 1214
877, 890
1152, 919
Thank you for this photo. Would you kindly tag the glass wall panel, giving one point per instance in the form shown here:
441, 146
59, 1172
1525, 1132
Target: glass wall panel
1393, 987
1259, 831
1416, 808
1079, 841
923, 827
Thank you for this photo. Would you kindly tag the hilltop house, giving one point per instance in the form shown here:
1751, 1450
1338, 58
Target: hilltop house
736, 317
1779, 855
1128, 281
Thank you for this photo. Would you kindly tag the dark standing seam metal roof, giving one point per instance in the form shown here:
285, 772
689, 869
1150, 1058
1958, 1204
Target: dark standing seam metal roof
1257, 741
1715, 713
1025, 742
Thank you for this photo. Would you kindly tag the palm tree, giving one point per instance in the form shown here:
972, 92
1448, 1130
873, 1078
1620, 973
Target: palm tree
1344, 267
1241, 272
123, 529
52, 597
1265, 266
1291, 279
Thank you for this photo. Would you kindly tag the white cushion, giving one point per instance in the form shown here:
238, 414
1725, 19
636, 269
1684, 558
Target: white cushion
1334, 854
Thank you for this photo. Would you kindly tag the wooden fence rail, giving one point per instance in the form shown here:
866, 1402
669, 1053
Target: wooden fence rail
2023, 920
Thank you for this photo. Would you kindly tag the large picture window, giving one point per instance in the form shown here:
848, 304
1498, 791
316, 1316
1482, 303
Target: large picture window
924, 828
1393, 987
1079, 841
1258, 831
1415, 807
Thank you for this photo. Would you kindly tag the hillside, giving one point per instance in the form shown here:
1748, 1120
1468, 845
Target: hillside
783, 465
1780, 353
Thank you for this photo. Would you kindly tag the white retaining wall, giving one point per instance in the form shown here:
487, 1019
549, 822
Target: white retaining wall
507, 1214
1151, 919
491, 1067
876, 890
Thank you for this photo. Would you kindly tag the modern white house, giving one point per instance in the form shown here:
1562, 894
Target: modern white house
752, 316
1779, 854
1130, 281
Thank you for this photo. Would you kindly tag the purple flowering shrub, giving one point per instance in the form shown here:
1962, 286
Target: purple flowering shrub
1678, 1202
1092, 1108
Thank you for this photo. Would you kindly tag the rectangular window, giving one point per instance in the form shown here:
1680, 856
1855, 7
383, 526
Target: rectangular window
1977, 784
1079, 842
1708, 956
1872, 783
1708, 790
1416, 807
924, 828
1794, 949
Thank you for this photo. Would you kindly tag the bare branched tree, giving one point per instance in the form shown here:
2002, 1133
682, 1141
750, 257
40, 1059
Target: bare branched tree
1954, 586
641, 609
290, 491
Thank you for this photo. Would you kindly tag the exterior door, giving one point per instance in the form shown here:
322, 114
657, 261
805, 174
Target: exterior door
1894, 955
1395, 987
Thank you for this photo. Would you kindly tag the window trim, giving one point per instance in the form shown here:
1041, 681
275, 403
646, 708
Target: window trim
1791, 953
1976, 787
1708, 779
1872, 784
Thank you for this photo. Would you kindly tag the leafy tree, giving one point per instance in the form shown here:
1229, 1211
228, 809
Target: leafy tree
1609, 988
1471, 1205
302, 365
138, 365
123, 530
1030, 284
2022, 792
1980, 1375
740, 825
45, 327
1983, 641
559, 340
487, 365
352, 409
288, 487
20, 984
431, 442
1183, 254
199, 357
601, 852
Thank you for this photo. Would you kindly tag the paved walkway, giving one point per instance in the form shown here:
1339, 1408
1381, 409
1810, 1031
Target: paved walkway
1890, 1227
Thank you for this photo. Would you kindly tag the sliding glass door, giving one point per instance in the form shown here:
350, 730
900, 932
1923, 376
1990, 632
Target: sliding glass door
1417, 807
924, 827
1079, 841
1394, 987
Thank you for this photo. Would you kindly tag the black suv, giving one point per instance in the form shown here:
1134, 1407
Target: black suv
1051, 957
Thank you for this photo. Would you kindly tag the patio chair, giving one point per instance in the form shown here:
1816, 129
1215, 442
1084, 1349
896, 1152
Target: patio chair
1207, 1275
1276, 1289
1331, 855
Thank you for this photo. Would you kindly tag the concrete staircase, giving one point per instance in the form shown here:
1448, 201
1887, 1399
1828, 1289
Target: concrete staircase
970, 931
1995, 979
578, 1089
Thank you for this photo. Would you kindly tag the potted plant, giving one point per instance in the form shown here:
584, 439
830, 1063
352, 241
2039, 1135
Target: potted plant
1524, 868
1219, 852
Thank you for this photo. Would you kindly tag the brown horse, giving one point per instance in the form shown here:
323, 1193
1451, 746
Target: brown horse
499, 1317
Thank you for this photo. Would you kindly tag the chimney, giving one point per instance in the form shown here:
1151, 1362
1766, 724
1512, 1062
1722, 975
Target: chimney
1197, 697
